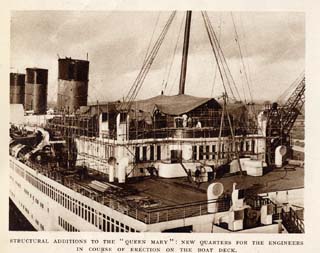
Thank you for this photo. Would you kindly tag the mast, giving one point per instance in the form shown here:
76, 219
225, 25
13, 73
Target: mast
185, 54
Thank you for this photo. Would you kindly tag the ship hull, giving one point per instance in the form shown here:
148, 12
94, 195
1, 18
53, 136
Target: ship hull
51, 206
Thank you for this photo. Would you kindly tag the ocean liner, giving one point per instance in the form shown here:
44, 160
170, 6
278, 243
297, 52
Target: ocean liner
164, 164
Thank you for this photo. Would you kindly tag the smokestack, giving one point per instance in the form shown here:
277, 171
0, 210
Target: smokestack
17, 86
72, 84
36, 90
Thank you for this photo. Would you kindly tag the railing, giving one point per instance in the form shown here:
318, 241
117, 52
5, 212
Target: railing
183, 132
256, 202
292, 222
183, 211
148, 215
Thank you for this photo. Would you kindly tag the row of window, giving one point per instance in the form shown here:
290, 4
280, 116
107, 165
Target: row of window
35, 199
66, 225
199, 152
18, 184
19, 171
141, 153
101, 221
95, 148
28, 212
209, 152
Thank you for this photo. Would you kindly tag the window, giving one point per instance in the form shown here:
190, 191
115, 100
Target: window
213, 151
247, 145
137, 154
200, 152
207, 152
104, 223
151, 153
194, 152
253, 146
123, 117
158, 152
144, 153
89, 215
176, 156
222, 151
117, 226
92, 216
112, 225
108, 225
104, 117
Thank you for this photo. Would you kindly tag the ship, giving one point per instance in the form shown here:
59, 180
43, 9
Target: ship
163, 164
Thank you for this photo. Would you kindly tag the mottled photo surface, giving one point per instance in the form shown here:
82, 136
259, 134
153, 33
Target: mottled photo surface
148, 121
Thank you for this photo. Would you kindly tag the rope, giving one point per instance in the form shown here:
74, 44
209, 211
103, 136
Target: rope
134, 88
174, 53
214, 50
137, 84
151, 38
241, 57
223, 59
216, 66
248, 72
291, 87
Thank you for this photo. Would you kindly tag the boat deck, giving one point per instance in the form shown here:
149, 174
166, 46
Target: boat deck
153, 199
179, 191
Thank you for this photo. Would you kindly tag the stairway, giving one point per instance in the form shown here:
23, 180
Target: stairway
292, 222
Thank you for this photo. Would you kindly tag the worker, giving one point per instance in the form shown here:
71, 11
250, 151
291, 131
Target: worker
189, 122
185, 120
198, 124
197, 175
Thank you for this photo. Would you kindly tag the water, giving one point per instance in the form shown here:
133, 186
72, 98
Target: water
17, 222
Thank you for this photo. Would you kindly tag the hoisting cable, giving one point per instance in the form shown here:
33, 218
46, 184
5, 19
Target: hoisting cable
241, 56
223, 59
291, 87
146, 67
137, 84
216, 67
151, 38
173, 56
215, 52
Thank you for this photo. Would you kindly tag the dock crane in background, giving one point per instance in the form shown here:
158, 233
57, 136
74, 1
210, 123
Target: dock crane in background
280, 119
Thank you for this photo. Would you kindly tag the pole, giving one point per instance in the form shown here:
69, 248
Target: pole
185, 53
232, 133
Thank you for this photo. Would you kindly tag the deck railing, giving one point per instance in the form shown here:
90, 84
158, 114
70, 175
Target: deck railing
292, 222
182, 211
146, 215
184, 132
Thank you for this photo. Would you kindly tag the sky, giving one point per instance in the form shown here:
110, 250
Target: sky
272, 46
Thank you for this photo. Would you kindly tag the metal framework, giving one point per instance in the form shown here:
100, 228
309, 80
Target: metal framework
281, 121
292, 107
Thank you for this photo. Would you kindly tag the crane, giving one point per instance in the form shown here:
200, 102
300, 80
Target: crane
281, 119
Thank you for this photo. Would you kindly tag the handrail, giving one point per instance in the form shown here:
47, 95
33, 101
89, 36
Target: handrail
196, 203
291, 218
146, 215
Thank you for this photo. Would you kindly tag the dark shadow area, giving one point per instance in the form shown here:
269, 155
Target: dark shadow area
17, 222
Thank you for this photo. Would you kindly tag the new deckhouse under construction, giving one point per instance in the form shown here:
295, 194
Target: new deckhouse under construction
167, 163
